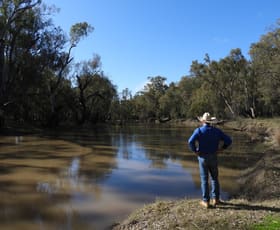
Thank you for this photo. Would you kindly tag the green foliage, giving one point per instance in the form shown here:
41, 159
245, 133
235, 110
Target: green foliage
148, 101
200, 101
266, 63
79, 30
34, 67
227, 78
171, 103
94, 92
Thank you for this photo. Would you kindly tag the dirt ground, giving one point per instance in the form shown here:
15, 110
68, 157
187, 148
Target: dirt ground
235, 214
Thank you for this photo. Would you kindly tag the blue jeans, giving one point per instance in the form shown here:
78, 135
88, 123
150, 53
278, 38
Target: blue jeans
208, 164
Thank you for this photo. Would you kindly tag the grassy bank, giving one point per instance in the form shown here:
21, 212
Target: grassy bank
186, 214
256, 206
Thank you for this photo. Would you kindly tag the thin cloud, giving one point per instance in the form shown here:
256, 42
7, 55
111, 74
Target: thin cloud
140, 87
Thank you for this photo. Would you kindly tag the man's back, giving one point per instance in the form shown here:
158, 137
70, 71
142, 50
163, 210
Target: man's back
208, 138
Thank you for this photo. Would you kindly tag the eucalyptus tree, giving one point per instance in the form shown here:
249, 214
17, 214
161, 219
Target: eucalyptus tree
153, 91
201, 100
141, 106
224, 78
265, 56
95, 92
34, 58
19, 26
85, 74
58, 67
171, 103
123, 107
239, 82
126, 108
187, 87
100, 105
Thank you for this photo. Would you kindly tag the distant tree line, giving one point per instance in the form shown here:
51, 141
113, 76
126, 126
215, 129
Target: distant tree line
41, 85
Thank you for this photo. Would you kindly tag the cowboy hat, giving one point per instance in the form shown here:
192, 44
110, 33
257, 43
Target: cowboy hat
207, 118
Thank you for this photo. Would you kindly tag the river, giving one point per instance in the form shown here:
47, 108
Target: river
90, 179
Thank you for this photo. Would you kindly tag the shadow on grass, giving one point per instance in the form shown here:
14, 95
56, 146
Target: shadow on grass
239, 206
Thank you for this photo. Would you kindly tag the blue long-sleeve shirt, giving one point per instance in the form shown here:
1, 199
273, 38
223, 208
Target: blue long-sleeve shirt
206, 138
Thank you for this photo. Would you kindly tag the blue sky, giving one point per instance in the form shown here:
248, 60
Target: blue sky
137, 39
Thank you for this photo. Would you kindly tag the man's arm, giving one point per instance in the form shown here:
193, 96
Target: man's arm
226, 139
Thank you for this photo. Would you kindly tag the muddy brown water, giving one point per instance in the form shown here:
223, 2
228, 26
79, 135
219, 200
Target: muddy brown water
90, 179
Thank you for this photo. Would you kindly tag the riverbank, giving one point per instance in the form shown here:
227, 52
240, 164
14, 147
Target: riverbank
257, 200
187, 214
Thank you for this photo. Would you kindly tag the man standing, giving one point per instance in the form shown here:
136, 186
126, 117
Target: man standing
204, 142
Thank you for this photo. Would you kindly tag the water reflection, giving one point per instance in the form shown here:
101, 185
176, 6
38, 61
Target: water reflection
88, 179
18, 139
69, 176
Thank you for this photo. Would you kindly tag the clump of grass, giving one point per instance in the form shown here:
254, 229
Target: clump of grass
269, 223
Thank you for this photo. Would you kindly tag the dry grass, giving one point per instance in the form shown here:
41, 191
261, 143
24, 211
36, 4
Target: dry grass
187, 214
